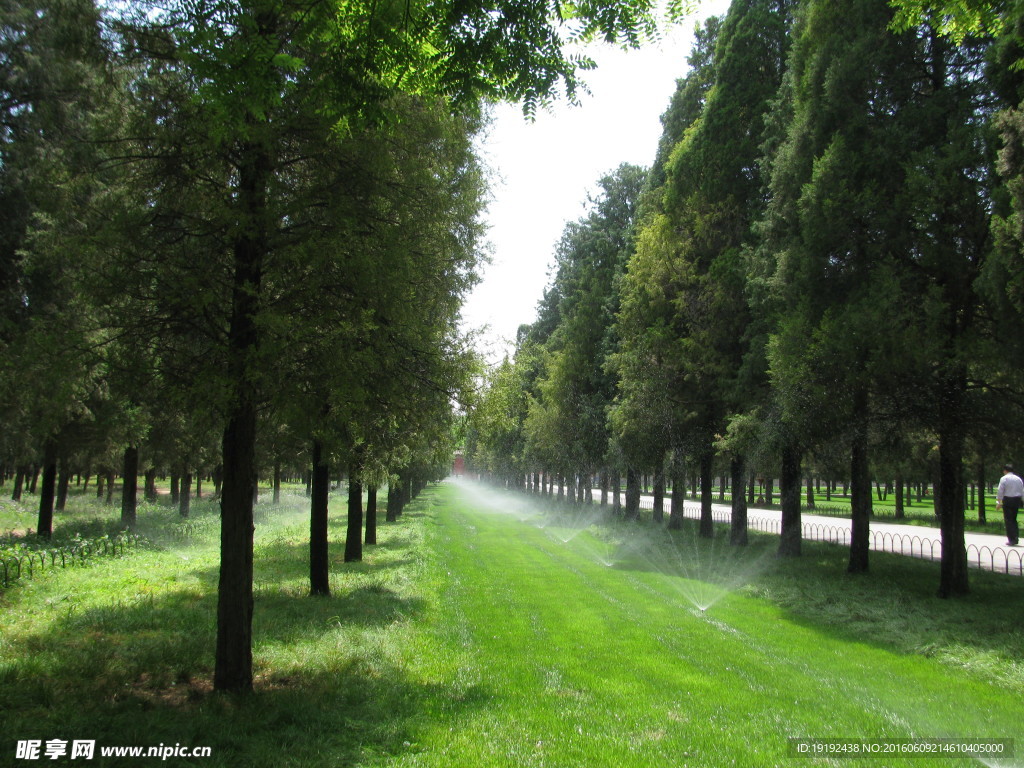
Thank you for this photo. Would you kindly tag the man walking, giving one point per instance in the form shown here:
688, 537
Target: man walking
1008, 496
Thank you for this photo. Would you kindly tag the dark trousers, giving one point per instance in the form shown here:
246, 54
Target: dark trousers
1011, 506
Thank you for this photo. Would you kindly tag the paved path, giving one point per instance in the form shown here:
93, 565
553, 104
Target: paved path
984, 550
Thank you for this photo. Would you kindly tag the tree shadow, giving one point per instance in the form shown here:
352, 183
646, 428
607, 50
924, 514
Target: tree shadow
282, 562
139, 672
894, 606
396, 542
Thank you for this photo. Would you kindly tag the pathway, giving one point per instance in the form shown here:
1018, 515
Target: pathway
984, 550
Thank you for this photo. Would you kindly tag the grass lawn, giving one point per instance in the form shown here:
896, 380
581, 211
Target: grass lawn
483, 631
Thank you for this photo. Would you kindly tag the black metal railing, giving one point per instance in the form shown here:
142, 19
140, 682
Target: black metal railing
1007, 560
18, 562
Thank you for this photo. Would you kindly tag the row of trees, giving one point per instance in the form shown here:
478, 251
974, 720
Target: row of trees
237, 235
819, 274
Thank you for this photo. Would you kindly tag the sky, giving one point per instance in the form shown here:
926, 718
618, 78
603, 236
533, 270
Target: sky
543, 171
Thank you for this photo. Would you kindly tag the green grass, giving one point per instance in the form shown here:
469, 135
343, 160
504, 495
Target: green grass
483, 631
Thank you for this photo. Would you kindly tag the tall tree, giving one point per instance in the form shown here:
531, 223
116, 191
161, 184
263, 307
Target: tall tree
836, 222
713, 194
648, 415
270, 86
53, 75
570, 416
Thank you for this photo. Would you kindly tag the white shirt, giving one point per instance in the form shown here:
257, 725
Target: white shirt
1010, 485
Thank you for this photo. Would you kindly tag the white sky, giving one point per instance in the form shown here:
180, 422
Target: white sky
544, 170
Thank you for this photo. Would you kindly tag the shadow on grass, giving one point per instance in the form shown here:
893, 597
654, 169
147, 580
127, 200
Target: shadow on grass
282, 562
139, 673
396, 542
894, 606
333, 683
345, 715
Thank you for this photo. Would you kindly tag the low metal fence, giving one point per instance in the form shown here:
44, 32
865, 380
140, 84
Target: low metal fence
985, 557
1009, 560
25, 563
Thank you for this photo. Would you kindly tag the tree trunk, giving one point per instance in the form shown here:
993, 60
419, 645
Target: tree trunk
354, 532
394, 500
791, 533
319, 562
410, 491
371, 515
860, 490
175, 489
47, 494
707, 523
149, 485
404, 496
130, 486
233, 662
900, 492
659, 496
19, 483
616, 493
632, 494
109, 501
810, 493
277, 483
185, 501
981, 492
738, 517
63, 480
953, 579
678, 470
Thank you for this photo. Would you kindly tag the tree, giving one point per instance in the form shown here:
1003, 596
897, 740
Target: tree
648, 416
685, 302
52, 78
272, 87
569, 417
858, 236
712, 194
836, 224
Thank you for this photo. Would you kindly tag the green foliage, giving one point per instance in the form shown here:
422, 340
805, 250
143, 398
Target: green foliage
684, 320
568, 417
958, 20
497, 422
